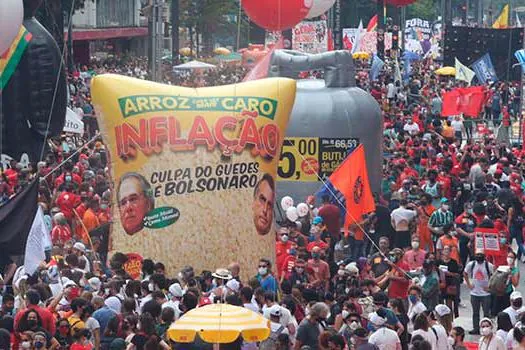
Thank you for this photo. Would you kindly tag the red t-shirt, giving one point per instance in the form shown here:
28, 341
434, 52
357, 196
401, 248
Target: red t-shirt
281, 253
330, 214
399, 289
66, 201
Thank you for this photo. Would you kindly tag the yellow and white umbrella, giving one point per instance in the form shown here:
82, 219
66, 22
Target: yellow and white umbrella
220, 323
446, 71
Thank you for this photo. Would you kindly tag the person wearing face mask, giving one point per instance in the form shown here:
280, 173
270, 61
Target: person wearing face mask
265, 276
424, 211
516, 307
282, 248
439, 219
63, 335
430, 286
396, 277
310, 327
377, 261
318, 271
359, 340
399, 309
415, 257
456, 338
298, 276
351, 322
415, 306
477, 274
289, 263
489, 340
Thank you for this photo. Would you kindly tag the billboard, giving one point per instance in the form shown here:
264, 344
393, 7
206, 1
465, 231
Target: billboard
194, 169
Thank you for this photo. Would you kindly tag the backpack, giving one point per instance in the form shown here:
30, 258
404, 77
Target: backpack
271, 342
498, 283
486, 268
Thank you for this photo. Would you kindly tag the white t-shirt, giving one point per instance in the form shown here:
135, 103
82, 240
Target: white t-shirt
286, 316
442, 337
429, 336
479, 278
174, 305
457, 125
251, 306
92, 324
385, 339
391, 91
495, 343
413, 310
274, 327
513, 314
412, 129
401, 214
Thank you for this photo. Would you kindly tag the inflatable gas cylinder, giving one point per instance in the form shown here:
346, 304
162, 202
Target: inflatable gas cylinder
330, 118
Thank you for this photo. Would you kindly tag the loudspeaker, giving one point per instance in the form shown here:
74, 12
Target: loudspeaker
469, 44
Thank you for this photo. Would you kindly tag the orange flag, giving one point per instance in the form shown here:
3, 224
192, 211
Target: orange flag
351, 179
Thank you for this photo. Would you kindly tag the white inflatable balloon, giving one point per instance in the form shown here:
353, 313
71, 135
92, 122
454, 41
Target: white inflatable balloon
286, 202
291, 214
302, 209
11, 17
319, 7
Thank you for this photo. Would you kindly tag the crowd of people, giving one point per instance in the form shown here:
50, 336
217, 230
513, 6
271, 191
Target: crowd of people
391, 280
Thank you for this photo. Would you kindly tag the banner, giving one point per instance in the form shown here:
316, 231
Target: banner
367, 40
37, 242
74, 123
422, 37
486, 240
485, 69
310, 37
468, 101
309, 158
194, 169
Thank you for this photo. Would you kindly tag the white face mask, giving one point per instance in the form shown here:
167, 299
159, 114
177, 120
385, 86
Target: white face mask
263, 270
510, 261
354, 325
445, 207
486, 331
341, 272
284, 238
415, 245
451, 341
26, 345
345, 314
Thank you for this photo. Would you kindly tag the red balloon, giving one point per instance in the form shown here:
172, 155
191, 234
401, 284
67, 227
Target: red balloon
276, 14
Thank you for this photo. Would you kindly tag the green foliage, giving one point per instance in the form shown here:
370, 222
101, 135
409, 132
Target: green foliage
424, 9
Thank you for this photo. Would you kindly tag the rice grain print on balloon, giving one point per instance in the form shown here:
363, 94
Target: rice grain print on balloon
194, 169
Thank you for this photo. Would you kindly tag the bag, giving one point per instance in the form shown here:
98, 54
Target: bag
472, 269
271, 342
498, 283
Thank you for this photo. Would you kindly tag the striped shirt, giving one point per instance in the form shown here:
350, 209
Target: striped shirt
440, 218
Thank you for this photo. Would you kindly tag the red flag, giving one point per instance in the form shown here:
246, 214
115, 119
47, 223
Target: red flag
260, 70
351, 179
372, 25
331, 45
468, 101
347, 44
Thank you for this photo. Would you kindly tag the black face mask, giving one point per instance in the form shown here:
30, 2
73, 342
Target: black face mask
517, 303
32, 323
480, 259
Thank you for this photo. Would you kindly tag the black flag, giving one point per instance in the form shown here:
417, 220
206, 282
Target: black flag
16, 218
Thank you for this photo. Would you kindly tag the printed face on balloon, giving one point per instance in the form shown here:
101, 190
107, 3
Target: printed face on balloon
135, 200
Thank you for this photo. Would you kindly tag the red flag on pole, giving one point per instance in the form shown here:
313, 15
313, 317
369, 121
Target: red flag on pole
372, 25
468, 101
260, 70
351, 179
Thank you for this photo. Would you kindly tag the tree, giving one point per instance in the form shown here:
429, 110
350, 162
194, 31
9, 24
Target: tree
424, 9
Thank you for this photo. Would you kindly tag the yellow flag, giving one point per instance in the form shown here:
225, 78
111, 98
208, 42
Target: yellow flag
503, 20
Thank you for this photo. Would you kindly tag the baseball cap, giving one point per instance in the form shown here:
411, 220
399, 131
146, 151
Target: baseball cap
176, 290
442, 310
275, 311
317, 220
516, 295
95, 283
80, 246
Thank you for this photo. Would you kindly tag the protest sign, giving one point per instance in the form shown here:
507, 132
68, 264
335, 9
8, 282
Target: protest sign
194, 169
310, 37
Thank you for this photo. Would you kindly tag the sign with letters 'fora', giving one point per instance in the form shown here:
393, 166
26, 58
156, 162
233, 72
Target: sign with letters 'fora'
194, 169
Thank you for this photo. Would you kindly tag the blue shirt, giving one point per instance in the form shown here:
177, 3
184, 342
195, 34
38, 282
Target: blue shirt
103, 315
268, 284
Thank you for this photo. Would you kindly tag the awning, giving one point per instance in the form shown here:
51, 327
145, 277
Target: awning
107, 33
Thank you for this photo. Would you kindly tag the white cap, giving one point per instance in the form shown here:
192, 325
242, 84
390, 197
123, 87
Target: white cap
95, 283
80, 246
113, 303
234, 285
275, 311
442, 310
516, 295
69, 283
376, 319
176, 290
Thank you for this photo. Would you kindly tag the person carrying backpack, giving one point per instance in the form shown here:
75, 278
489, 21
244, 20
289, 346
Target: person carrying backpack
276, 329
477, 275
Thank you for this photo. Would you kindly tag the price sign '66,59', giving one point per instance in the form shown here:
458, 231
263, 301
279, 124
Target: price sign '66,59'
310, 159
